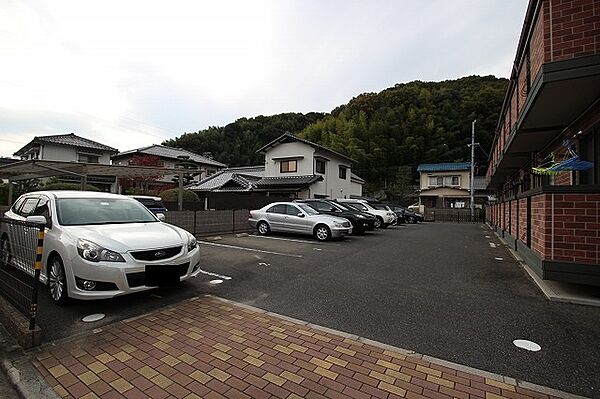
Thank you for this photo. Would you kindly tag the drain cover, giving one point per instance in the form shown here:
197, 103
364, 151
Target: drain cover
215, 282
93, 317
527, 345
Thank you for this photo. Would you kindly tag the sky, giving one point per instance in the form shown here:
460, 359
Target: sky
130, 73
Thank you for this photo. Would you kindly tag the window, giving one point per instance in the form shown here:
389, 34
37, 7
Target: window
43, 209
288, 166
281, 208
17, 205
589, 150
451, 180
446, 181
320, 166
436, 181
292, 210
343, 172
28, 206
88, 158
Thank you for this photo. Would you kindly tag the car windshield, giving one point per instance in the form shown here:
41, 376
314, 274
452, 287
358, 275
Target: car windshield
339, 206
380, 207
307, 209
357, 206
86, 211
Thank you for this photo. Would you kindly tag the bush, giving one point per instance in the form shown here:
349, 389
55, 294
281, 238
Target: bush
69, 186
172, 195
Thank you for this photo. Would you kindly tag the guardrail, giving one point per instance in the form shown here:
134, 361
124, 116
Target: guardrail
205, 223
21, 246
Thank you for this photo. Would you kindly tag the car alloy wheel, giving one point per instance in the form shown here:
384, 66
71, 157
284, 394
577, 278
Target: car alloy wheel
5, 254
263, 228
57, 281
378, 222
322, 233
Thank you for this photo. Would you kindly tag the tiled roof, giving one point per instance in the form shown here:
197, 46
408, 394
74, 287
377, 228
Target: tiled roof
479, 183
70, 139
357, 178
245, 177
287, 181
287, 137
170, 152
443, 167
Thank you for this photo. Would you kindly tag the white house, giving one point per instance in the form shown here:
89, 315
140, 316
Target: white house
307, 170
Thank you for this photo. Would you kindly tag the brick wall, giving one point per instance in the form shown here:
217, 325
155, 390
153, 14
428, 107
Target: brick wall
537, 54
563, 179
522, 232
513, 218
540, 230
576, 228
575, 26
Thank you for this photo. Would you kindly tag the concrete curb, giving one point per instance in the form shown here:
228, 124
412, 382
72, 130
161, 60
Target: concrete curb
21, 373
431, 359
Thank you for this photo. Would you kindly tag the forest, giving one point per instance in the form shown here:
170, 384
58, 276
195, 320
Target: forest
387, 133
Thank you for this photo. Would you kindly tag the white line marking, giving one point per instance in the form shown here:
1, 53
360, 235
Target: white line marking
215, 282
264, 264
215, 275
492, 245
249, 249
499, 259
317, 249
286, 239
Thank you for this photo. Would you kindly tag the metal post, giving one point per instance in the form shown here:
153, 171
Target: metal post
180, 193
11, 187
472, 170
36, 276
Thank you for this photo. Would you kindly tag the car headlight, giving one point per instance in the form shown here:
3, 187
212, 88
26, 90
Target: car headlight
95, 253
336, 224
192, 242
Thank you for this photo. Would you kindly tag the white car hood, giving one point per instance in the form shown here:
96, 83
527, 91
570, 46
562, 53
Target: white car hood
131, 236
330, 218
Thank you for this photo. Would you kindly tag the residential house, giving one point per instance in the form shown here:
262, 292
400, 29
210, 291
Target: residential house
448, 185
294, 168
545, 160
198, 167
71, 148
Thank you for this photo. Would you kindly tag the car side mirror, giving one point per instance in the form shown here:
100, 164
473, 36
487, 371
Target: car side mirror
300, 215
37, 219
160, 216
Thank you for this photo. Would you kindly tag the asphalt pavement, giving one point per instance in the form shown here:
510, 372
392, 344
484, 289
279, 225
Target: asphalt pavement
433, 288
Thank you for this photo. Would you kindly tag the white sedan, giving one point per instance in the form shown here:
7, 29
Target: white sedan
100, 245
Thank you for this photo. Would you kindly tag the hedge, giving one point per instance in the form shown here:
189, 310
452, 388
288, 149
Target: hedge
172, 195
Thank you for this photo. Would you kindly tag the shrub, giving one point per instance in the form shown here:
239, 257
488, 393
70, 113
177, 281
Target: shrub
172, 195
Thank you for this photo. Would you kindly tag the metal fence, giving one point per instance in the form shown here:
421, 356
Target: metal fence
205, 223
21, 245
453, 216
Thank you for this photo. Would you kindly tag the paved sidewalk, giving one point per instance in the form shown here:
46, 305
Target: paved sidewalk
210, 348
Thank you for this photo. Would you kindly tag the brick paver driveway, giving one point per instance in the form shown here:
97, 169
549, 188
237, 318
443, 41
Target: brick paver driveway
210, 348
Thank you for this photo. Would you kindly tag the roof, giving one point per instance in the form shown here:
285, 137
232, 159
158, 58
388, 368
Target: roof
70, 139
443, 167
164, 151
356, 178
288, 137
231, 179
287, 182
479, 183
6, 161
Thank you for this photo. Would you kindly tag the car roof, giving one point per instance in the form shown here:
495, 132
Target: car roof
77, 194
145, 197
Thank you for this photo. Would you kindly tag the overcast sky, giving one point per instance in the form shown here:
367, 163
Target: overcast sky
130, 73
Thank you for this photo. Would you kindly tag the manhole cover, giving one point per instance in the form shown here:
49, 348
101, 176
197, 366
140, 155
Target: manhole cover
93, 317
527, 345
215, 282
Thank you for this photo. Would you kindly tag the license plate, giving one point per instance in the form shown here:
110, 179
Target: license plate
162, 275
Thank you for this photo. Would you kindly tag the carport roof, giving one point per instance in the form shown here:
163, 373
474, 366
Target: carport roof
35, 169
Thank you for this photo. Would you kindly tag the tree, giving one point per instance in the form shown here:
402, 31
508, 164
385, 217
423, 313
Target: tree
403, 186
142, 182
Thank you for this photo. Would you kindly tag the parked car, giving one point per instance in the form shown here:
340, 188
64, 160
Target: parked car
100, 245
153, 203
361, 221
384, 207
299, 218
384, 218
409, 215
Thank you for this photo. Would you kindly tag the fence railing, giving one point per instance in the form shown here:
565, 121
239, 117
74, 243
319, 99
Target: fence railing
205, 223
21, 245
453, 216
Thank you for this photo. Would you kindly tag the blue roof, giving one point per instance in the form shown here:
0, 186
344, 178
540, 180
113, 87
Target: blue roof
443, 167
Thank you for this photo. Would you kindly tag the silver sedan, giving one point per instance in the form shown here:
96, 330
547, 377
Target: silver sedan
298, 218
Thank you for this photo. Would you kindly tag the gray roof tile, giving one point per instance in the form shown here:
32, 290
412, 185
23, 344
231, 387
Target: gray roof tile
164, 151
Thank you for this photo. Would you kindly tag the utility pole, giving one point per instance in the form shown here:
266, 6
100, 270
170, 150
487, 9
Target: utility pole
473, 170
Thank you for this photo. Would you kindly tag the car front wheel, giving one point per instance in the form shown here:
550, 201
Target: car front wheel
57, 281
322, 233
378, 222
263, 228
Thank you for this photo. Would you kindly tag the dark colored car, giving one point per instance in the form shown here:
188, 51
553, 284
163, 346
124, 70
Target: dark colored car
410, 216
383, 207
154, 204
361, 221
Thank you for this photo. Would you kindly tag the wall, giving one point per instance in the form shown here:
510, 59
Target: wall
52, 152
574, 28
332, 185
305, 165
355, 189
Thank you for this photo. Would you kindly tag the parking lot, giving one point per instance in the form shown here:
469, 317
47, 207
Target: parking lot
433, 288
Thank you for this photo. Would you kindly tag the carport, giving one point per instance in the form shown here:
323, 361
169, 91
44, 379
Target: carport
39, 169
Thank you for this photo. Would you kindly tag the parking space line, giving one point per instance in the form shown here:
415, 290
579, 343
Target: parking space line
207, 273
214, 244
292, 240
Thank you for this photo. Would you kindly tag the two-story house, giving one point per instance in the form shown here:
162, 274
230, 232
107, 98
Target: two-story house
71, 148
544, 164
293, 168
445, 185
198, 167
